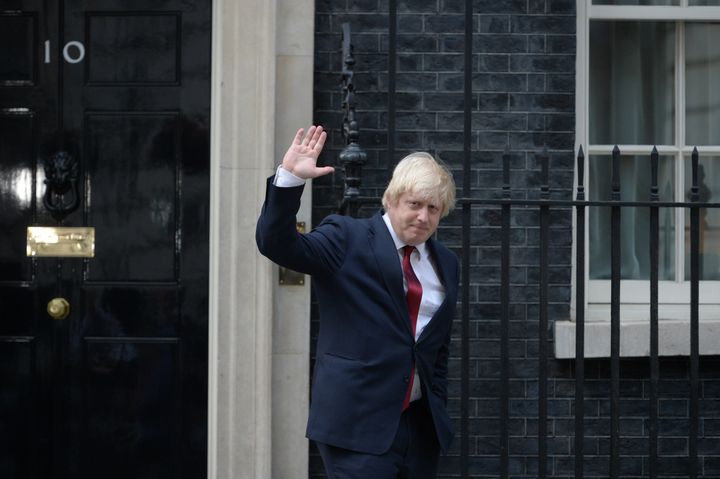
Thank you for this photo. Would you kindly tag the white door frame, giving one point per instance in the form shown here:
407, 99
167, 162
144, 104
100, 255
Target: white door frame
262, 89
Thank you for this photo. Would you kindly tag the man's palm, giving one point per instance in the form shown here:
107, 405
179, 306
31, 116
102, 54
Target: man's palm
301, 157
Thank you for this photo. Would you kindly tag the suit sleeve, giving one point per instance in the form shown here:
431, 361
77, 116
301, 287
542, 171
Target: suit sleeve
440, 380
440, 372
320, 252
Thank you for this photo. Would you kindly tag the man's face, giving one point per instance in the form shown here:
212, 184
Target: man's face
413, 218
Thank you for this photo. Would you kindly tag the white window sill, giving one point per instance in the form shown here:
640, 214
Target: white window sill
673, 338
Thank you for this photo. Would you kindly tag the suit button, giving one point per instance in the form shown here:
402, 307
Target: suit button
415, 347
406, 379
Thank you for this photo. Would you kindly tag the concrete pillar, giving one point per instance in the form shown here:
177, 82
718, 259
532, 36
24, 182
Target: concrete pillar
262, 91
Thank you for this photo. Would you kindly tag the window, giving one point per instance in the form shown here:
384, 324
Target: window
648, 74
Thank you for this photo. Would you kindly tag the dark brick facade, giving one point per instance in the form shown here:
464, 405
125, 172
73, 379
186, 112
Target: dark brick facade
523, 100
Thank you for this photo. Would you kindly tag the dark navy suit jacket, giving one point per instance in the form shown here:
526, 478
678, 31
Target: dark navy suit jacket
365, 348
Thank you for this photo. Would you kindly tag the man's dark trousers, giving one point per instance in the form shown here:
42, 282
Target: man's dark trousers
413, 454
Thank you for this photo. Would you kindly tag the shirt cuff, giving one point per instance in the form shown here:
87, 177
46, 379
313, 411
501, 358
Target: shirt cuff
285, 179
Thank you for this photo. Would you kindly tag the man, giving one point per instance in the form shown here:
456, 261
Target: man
387, 294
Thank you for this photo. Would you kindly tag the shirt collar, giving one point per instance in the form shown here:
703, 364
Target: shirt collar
421, 248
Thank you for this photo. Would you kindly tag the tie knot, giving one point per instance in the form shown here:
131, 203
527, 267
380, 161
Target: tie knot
407, 250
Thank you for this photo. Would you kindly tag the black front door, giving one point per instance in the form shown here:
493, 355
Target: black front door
117, 389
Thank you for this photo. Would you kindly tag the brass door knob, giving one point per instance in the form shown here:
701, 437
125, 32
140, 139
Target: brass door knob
58, 308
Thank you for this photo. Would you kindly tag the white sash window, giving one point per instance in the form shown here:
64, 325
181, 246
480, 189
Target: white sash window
648, 74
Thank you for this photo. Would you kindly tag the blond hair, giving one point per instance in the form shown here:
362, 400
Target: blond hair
421, 174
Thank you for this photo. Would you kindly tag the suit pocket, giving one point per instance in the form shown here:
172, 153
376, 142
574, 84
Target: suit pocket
340, 376
338, 393
341, 356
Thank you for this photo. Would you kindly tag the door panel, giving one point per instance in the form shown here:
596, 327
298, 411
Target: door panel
132, 312
17, 171
27, 112
16, 400
119, 387
132, 413
132, 168
18, 36
145, 48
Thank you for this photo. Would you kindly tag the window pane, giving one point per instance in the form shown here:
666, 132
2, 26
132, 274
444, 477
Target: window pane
632, 82
635, 222
694, 3
637, 2
702, 67
709, 189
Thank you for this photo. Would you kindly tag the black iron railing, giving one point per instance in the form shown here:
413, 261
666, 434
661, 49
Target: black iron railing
506, 204
580, 205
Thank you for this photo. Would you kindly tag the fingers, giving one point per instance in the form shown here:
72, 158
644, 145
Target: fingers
315, 136
298, 137
318, 146
309, 136
312, 137
324, 170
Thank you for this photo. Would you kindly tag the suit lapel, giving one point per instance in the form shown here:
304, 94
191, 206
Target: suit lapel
389, 265
443, 264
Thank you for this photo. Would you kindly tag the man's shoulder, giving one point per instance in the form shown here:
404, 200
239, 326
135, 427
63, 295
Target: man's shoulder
347, 221
443, 252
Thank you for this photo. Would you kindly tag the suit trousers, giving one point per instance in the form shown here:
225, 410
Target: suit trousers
414, 453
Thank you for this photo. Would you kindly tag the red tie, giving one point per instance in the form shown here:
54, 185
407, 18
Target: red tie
414, 295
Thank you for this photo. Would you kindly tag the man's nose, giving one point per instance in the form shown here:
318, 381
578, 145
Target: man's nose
423, 215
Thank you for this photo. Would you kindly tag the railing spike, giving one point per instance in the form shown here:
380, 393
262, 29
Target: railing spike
506, 173
545, 175
581, 166
580, 195
695, 190
615, 194
654, 174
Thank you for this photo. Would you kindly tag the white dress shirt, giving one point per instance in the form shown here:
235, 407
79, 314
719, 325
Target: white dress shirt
285, 179
433, 292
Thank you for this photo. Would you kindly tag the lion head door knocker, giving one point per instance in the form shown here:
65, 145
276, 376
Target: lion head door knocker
62, 196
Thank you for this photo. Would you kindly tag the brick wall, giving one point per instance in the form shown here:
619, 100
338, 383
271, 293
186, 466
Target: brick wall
523, 100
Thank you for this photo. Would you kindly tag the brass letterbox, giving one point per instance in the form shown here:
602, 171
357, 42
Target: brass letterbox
71, 242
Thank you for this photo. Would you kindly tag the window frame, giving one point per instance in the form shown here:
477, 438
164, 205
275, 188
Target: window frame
675, 295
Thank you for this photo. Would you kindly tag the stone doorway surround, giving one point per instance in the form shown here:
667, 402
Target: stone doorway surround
262, 90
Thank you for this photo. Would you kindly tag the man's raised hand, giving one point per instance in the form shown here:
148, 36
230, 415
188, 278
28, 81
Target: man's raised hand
301, 157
